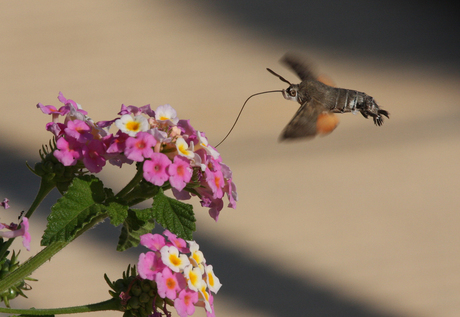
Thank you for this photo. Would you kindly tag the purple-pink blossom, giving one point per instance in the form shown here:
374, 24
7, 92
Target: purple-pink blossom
180, 172
93, 155
139, 147
79, 130
153, 241
155, 169
185, 303
168, 284
68, 152
171, 149
188, 285
15, 232
179, 243
216, 182
149, 265
5, 204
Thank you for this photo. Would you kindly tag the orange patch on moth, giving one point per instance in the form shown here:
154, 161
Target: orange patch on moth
326, 123
326, 80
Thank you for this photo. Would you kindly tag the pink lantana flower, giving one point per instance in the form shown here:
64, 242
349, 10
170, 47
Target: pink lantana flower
68, 152
74, 105
184, 303
56, 128
155, 169
180, 172
93, 156
232, 195
216, 182
183, 278
15, 232
116, 143
140, 147
52, 111
47, 109
153, 241
167, 283
78, 130
5, 204
171, 149
179, 243
149, 265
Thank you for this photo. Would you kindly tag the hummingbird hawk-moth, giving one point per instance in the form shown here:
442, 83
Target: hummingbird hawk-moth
319, 102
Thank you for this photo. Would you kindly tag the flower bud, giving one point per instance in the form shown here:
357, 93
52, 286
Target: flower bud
136, 290
8, 266
144, 298
134, 303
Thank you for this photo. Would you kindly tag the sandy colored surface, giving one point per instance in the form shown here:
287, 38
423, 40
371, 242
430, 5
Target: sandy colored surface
364, 222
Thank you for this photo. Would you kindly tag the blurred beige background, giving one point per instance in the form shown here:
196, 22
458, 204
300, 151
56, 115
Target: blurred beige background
363, 222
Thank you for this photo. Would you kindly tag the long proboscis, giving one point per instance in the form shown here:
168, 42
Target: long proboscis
239, 114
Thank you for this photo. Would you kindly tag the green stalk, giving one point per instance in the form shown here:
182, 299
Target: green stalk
111, 304
44, 255
31, 265
45, 188
136, 180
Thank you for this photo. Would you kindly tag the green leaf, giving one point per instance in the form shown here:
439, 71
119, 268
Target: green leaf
137, 223
117, 212
78, 207
174, 215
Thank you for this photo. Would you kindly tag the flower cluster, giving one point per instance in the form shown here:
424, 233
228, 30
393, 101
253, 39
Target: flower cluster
180, 272
14, 229
174, 155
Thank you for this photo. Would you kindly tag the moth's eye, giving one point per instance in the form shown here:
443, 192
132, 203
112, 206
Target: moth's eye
292, 92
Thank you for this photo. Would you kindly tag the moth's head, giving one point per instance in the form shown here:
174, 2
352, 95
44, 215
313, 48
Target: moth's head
291, 93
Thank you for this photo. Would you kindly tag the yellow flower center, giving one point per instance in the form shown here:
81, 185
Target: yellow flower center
211, 279
193, 277
132, 126
175, 260
183, 150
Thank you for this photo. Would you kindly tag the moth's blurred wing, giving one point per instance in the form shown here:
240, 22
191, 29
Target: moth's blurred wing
309, 121
300, 66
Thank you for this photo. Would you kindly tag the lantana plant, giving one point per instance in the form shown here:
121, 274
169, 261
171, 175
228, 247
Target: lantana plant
169, 154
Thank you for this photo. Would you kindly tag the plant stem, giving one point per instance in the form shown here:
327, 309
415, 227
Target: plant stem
44, 255
136, 179
45, 188
111, 304
31, 265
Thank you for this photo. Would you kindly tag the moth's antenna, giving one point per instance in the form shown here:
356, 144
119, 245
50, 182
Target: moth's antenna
279, 76
239, 114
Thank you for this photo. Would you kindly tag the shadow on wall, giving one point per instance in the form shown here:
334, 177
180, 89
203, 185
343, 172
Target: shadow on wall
405, 31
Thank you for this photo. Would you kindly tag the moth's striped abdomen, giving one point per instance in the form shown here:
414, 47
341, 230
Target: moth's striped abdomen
347, 100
